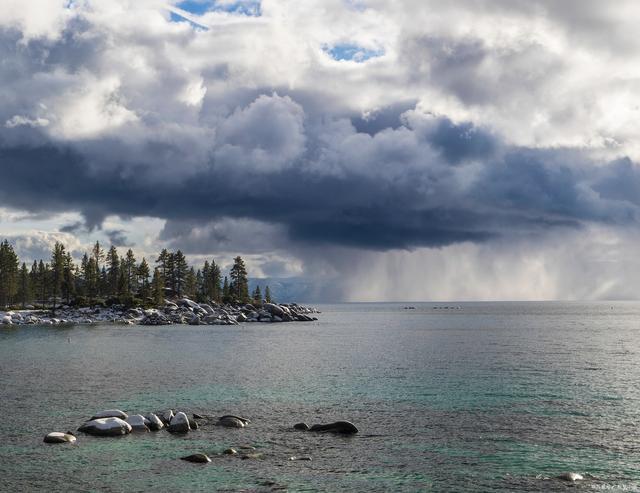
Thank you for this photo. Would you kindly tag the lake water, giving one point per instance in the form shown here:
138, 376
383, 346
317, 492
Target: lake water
488, 397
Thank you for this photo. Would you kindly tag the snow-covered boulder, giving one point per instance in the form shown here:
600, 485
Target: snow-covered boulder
107, 427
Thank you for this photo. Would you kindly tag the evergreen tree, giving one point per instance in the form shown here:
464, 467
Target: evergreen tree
157, 287
58, 257
143, 280
181, 270
267, 295
113, 272
24, 289
98, 256
215, 282
257, 295
239, 286
190, 283
43, 282
130, 273
226, 295
68, 278
9, 266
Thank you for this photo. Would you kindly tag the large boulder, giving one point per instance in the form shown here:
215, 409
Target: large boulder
342, 427
110, 413
154, 422
179, 424
273, 309
138, 422
57, 437
106, 427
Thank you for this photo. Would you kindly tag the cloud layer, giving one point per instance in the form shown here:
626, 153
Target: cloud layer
284, 128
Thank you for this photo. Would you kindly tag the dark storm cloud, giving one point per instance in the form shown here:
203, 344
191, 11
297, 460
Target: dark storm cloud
519, 190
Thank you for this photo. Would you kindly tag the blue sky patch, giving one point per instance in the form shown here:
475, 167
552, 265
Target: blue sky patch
351, 52
251, 8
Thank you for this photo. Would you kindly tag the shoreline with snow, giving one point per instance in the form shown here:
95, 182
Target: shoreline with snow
182, 311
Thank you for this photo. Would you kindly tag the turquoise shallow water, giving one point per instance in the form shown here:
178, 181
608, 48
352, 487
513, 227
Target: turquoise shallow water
490, 397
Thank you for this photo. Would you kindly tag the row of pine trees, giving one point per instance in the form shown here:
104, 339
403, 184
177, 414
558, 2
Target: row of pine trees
106, 276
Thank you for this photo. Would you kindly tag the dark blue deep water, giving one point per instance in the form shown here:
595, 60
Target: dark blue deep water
488, 397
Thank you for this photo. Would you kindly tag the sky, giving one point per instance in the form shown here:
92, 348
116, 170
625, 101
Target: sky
384, 149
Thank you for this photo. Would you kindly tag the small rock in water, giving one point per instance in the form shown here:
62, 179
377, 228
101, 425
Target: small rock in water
57, 437
230, 421
342, 427
193, 424
110, 413
197, 458
301, 426
304, 457
570, 476
198, 416
179, 424
230, 451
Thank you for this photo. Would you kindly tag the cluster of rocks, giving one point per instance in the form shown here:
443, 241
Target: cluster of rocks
182, 311
114, 423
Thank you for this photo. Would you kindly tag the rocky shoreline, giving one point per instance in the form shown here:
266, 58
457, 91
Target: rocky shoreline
180, 311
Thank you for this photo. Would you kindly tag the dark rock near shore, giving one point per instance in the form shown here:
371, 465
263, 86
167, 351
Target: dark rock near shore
232, 422
154, 422
342, 427
57, 437
301, 426
197, 458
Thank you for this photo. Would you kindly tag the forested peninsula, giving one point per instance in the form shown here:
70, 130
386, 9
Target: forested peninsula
108, 287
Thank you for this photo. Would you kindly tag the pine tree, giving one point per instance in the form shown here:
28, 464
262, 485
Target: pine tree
257, 295
69, 278
267, 295
181, 269
157, 287
130, 273
9, 266
24, 291
58, 257
215, 282
239, 287
143, 280
113, 271
226, 295
190, 283
43, 281
97, 254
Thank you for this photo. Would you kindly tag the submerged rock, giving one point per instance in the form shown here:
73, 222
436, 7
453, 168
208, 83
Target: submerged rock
110, 413
231, 421
301, 426
230, 451
342, 427
106, 427
197, 458
57, 437
570, 476
179, 424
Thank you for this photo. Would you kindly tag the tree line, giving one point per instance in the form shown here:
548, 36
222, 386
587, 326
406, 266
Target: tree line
108, 277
